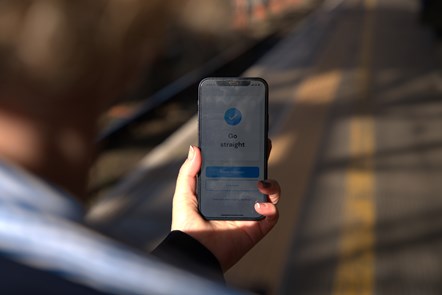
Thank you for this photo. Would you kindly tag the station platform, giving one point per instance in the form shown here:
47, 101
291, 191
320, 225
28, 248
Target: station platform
356, 125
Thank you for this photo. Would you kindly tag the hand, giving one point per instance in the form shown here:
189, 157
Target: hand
229, 240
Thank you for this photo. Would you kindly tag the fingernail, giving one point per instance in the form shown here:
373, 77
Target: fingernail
261, 205
266, 183
191, 153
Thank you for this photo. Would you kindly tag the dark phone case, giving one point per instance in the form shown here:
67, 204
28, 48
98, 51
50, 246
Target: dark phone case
229, 80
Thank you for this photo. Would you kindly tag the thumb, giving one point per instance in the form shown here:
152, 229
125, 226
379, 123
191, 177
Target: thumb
186, 181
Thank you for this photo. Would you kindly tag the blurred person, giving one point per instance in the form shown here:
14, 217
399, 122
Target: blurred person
61, 63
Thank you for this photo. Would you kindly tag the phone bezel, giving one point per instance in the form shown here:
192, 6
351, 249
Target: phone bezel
234, 81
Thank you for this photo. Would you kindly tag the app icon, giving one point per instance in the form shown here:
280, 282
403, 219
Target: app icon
232, 116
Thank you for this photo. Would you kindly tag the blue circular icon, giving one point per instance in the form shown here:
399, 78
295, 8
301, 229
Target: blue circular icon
232, 116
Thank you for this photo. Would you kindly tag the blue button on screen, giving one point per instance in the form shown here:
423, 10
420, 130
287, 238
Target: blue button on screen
232, 172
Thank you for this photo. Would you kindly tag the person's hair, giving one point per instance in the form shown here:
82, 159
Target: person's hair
55, 48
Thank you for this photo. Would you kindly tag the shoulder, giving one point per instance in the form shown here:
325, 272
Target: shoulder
54, 253
19, 278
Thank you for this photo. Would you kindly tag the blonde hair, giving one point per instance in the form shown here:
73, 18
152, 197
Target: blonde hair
52, 48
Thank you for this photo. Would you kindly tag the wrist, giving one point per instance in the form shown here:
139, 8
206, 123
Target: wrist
186, 252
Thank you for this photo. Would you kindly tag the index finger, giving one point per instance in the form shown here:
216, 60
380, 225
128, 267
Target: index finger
271, 188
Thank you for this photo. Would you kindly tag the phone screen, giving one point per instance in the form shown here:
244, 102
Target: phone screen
233, 142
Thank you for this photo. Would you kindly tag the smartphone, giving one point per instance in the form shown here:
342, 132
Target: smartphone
233, 127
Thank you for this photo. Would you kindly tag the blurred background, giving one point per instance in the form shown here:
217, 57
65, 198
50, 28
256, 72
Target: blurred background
356, 125
355, 118
202, 38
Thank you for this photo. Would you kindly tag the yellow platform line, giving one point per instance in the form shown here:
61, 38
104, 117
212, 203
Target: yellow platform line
356, 267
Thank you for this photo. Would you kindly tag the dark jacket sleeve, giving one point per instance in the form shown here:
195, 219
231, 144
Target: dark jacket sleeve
183, 251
